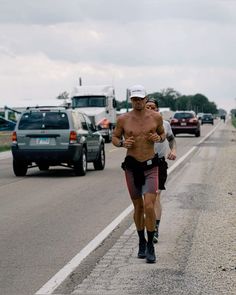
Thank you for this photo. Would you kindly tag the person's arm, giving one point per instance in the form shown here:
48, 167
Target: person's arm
117, 135
160, 129
159, 134
172, 144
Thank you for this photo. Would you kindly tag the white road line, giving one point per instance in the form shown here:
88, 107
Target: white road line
62, 274
59, 277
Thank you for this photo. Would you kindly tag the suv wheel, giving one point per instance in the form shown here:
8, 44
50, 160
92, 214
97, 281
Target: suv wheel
99, 164
19, 168
80, 166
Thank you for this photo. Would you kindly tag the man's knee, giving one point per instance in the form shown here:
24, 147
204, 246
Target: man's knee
138, 204
149, 205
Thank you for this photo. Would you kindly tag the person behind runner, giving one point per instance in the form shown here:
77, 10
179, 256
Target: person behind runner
137, 131
164, 151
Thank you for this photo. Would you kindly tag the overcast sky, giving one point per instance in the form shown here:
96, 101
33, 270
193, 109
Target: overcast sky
46, 45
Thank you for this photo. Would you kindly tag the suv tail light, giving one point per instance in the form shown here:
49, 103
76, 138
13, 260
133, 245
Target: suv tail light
174, 121
193, 120
14, 137
104, 123
73, 137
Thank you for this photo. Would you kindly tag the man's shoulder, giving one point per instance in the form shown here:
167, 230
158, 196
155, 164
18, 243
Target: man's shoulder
167, 127
155, 115
124, 116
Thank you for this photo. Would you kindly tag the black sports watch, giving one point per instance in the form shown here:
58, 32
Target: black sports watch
121, 143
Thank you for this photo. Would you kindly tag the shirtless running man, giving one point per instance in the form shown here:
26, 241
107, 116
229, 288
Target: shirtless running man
137, 131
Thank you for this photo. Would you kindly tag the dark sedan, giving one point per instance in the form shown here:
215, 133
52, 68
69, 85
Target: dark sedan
207, 119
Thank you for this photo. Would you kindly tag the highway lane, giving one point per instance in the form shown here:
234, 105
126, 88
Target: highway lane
46, 218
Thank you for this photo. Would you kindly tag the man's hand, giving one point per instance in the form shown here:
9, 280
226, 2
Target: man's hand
171, 155
129, 142
154, 137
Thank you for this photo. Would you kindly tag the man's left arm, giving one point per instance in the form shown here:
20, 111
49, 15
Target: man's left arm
160, 130
172, 143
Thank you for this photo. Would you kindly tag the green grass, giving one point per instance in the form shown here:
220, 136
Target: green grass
4, 148
5, 141
234, 121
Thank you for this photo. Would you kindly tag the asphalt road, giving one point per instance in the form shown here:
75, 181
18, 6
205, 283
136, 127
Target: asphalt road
46, 218
196, 248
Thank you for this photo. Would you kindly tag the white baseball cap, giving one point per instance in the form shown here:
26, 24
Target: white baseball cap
137, 91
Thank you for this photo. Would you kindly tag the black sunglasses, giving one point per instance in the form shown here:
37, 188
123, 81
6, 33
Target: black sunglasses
137, 98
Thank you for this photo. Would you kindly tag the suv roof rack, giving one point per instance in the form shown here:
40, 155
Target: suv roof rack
44, 107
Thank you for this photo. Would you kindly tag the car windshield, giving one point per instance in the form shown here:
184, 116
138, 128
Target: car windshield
88, 101
183, 115
43, 120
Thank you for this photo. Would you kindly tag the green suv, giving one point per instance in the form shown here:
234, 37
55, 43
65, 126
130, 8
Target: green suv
52, 136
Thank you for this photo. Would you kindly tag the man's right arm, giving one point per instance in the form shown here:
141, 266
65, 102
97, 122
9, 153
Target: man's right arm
117, 134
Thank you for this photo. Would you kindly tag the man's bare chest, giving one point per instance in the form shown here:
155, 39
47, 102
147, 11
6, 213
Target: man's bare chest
140, 127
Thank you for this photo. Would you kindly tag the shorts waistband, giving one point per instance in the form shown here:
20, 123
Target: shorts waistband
132, 164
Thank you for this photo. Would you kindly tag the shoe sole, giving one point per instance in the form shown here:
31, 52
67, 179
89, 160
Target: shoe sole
142, 256
155, 240
151, 261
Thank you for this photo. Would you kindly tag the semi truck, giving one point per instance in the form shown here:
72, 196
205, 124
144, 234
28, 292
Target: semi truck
99, 103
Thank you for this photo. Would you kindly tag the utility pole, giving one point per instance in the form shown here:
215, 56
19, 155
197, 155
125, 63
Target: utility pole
127, 100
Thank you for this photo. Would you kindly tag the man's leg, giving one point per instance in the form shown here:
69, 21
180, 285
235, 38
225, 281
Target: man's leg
158, 210
150, 217
138, 213
139, 222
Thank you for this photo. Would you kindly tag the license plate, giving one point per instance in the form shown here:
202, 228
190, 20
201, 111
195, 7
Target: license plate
42, 140
183, 124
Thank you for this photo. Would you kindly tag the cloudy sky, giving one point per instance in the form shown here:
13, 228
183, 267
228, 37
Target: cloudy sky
46, 45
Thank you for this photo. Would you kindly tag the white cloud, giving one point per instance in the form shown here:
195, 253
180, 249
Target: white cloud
45, 46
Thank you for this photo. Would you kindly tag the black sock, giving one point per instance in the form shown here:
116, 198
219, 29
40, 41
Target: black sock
141, 235
150, 235
157, 223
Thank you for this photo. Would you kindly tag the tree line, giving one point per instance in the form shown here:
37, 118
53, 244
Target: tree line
170, 98
175, 101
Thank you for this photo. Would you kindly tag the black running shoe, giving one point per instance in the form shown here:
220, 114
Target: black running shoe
142, 249
150, 254
156, 235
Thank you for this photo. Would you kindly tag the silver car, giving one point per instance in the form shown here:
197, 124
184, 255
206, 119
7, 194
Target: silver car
52, 136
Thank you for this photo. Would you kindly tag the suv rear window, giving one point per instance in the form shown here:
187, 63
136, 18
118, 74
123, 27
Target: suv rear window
43, 120
207, 116
183, 115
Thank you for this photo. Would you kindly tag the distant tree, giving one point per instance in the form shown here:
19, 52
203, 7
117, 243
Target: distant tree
182, 103
198, 103
233, 112
175, 101
166, 98
170, 92
64, 95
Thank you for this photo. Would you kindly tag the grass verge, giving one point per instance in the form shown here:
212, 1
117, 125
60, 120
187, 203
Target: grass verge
4, 148
234, 121
5, 141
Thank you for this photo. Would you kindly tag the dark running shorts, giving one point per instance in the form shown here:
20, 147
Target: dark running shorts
150, 186
162, 175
